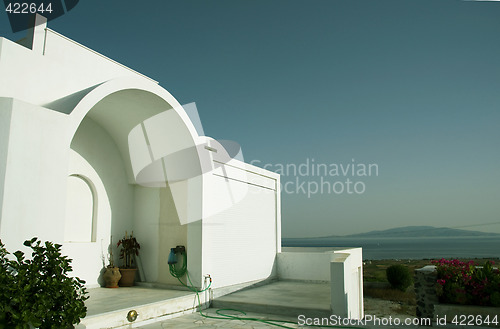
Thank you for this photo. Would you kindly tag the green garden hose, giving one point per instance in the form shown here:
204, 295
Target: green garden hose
178, 273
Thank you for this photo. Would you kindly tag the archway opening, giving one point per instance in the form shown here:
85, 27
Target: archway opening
102, 141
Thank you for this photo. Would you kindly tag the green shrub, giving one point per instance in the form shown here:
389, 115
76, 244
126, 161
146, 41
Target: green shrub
399, 277
38, 291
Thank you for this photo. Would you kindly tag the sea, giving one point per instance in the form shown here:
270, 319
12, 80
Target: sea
410, 248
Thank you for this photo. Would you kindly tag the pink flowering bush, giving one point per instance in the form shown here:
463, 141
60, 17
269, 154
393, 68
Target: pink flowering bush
465, 283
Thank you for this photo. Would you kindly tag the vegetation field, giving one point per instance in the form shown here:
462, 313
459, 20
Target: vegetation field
374, 271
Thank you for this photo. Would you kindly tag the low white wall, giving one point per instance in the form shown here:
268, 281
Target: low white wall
342, 267
305, 264
346, 286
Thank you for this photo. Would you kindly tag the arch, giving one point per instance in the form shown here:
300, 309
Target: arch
101, 119
86, 101
119, 105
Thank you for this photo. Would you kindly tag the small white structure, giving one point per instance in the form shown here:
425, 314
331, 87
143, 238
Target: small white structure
90, 149
342, 267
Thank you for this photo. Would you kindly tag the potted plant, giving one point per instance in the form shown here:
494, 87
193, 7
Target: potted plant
112, 274
129, 248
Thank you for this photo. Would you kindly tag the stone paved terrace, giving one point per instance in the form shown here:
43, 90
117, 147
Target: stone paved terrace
290, 298
109, 307
263, 302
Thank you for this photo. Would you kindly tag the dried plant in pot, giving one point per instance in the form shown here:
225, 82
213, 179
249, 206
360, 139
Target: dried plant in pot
112, 274
129, 249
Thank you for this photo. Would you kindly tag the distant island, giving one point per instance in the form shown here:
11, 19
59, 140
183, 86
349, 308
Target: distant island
410, 242
409, 232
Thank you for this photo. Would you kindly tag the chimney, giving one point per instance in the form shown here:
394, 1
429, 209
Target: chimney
35, 39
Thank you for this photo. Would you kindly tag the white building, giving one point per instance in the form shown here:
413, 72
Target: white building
90, 149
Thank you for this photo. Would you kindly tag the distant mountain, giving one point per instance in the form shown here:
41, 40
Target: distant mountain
422, 231
413, 232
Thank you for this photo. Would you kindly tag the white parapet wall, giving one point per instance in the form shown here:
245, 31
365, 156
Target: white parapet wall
342, 267
346, 272
305, 264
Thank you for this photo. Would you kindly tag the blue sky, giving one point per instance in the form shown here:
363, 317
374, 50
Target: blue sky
412, 86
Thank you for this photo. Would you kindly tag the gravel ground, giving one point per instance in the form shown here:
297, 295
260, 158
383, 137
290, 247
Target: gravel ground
385, 308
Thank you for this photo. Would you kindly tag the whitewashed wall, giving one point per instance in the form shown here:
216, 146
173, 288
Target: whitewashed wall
105, 169
35, 173
89, 254
240, 243
147, 228
308, 264
5, 118
62, 66
342, 267
346, 285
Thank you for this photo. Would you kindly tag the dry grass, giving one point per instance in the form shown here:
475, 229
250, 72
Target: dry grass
407, 297
374, 271
406, 300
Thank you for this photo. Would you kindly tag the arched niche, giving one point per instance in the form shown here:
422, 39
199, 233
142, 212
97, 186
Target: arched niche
81, 210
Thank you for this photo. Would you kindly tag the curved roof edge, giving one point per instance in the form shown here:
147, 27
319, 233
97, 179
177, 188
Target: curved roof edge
78, 105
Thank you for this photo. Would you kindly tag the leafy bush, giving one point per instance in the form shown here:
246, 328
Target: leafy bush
37, 291
465, 283
399, 277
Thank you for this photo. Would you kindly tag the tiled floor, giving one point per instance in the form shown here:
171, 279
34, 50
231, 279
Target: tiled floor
268, 299
104, 300
283, 297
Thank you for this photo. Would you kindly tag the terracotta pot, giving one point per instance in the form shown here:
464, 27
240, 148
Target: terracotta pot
112, 276
128, 277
